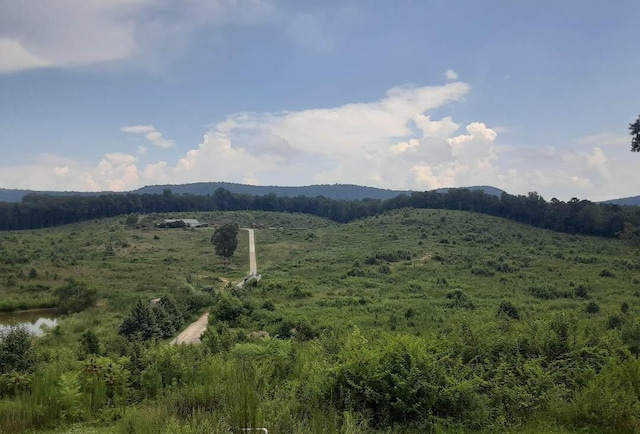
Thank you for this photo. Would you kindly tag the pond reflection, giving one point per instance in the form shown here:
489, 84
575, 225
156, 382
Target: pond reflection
35, 322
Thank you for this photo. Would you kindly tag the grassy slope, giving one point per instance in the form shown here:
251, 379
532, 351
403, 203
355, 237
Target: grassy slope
490, 259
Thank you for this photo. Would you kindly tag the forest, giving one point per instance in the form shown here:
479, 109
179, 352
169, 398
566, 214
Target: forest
574, 217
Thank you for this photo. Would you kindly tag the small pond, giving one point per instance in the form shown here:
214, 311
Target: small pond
35, 321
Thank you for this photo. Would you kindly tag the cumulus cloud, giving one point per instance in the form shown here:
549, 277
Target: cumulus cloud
150, 133
450, 75
393, 142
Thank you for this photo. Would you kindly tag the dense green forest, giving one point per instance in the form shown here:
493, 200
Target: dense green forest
574, 217
410, 320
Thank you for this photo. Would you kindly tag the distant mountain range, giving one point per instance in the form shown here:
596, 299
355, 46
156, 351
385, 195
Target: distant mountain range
334, 191
629, 201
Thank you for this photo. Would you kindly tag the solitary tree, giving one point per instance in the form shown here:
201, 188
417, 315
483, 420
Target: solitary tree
225, 240
634, 131
75, 296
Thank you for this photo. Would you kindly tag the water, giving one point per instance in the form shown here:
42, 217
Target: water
36, 321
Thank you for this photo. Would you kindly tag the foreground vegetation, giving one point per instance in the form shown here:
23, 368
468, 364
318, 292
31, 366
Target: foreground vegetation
407, 321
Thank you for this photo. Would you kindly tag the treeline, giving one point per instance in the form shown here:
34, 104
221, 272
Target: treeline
575, 216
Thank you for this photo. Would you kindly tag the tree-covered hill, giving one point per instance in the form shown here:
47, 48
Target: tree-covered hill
334, 191
575, 216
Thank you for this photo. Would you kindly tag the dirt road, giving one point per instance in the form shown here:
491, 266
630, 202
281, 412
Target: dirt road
253, 268
191, 335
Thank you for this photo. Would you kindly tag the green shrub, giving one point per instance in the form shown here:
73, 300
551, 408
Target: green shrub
615, 321
459, 300
592, 307
16, 353
507, 309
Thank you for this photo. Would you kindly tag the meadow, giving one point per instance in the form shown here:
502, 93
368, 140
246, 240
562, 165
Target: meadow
408, 321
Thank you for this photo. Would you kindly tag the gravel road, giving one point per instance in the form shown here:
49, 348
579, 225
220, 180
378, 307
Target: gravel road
191, 335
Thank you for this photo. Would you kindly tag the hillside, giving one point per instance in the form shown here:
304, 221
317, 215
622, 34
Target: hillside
474, 310
625, 201
335, 191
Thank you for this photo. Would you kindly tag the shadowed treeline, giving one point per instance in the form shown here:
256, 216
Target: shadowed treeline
575, 216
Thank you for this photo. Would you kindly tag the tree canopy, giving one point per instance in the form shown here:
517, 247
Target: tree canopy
225, 239
634, 131
75, 296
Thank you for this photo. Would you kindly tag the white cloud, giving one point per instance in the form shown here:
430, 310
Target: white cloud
604, 139
150, 133
14, 57
61, 171
393, 142
148, 33
451, 75
61, 33
138, 129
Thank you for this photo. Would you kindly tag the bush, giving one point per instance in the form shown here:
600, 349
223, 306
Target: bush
606, 273
582, 292
75, 296
16, 354
592, 307
509, 310
615, 321
397, 380
460, 300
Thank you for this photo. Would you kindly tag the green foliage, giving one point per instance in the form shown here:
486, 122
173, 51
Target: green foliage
507, 309
459, 300
218, 339
70, 396
16, 353
225, 240
592, 307
141, 323
400, 381
611, 401
634, 131
75, 296
423, 361
89, 343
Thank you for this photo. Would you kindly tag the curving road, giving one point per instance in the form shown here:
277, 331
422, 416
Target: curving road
191, 335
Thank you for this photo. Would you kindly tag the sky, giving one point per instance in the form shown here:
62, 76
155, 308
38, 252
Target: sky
528, 95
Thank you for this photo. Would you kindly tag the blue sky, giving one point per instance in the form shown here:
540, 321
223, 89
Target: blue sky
521, 95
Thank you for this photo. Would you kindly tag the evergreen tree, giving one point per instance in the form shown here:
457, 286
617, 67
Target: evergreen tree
89, 343
140, 324
173, 311
16, 354
163, 321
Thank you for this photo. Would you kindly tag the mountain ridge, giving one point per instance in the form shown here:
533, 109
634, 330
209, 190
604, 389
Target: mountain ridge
331, 191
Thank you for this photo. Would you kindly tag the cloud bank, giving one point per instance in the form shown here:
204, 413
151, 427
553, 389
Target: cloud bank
146, 33
393, 142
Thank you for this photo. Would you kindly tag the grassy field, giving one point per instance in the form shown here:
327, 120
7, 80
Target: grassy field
409, 321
